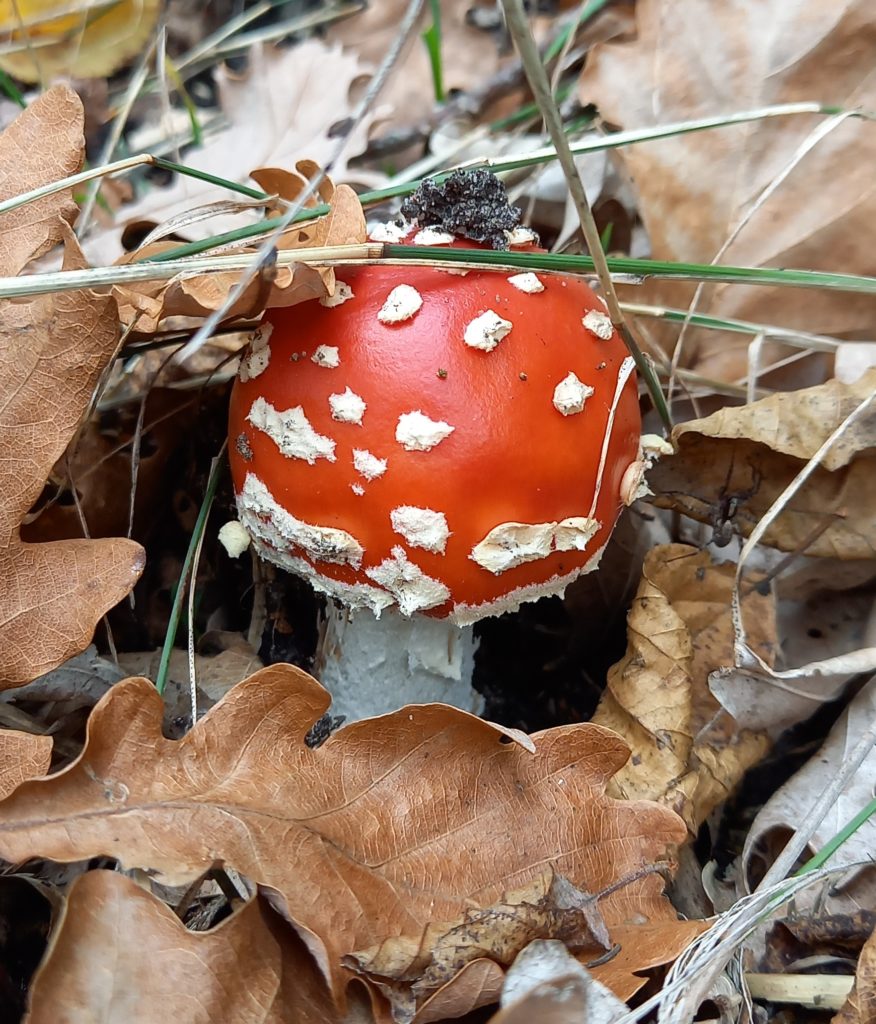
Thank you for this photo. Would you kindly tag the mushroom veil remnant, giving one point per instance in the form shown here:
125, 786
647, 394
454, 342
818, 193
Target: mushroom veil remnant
423, 482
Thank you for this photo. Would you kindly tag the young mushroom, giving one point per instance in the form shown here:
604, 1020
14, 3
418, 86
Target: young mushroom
429, 448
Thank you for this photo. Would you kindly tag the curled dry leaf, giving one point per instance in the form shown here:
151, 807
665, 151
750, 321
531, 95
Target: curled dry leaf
789, 806
390, 824
733, 465
449, 970
860, 1007
688, 752
118, 955
55, 39
547, 984
52, 351
197, 295
22, 756
696, 190
45, 143
408, 969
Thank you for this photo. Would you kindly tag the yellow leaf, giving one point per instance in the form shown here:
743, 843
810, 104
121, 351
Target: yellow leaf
88, 39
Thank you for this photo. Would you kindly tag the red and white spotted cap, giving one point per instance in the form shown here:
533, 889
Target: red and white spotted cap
445, 442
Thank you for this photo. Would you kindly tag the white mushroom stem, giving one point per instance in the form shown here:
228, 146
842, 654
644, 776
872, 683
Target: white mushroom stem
373, 666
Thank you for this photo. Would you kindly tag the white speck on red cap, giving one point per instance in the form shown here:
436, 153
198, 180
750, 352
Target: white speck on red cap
511, 544
521, 236
413, 590
368, 465
341, 294
571, 394
319, 543
528, 282
403, 302
599, 324
433, 236
486, 331
388, 232
327, 356
291, 431
258, 354
421, 527
347, 407
415, 432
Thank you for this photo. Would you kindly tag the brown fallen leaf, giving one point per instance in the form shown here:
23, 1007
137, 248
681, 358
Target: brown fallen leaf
455, 967
469, 55
546, 984
408, 969
44, 144
687, 751
696, 190
119, 955
145, 304
733, 465
390, 824
57, 40
860, 1007
52, 351
22, 756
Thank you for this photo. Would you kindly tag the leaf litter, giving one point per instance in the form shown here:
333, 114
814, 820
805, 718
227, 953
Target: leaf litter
417, 857
335, 812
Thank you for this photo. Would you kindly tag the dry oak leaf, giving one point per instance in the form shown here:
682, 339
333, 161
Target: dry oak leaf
860, 1007
408, 969
44, 144
451, 968
390, 824
22, 756
52, 351
198, 295
119, 955
748, 455
697, 189
89, 41
688, 752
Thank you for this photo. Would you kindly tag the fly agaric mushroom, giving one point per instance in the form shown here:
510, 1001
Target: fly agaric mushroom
428, 449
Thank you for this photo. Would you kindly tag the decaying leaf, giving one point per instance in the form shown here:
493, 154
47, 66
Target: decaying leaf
468, 55
547, 984
696, 190
197, 295
860, 1007
44, 144
687, 751
410, 968
791, 803
119, 955
89, 41
733, 465
22, 756
52, 351
390, 824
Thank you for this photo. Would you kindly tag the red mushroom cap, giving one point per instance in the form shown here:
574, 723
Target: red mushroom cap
453, 444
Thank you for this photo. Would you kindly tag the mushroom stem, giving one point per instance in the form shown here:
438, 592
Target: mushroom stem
373, 666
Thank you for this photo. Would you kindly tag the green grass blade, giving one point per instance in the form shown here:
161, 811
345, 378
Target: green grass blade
432, 39
8, 86
182, 584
